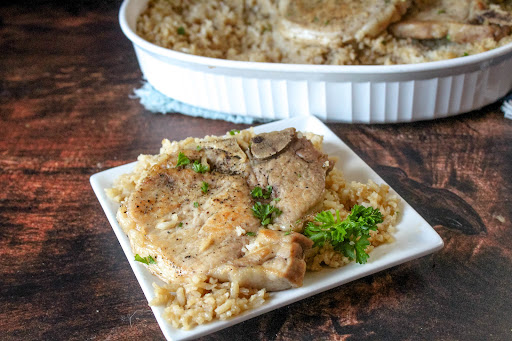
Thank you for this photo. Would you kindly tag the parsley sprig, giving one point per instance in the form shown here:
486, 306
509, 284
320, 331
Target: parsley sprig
349, 236
182, 160
265, 212
204, 187
198, 167
259, 192
146, 260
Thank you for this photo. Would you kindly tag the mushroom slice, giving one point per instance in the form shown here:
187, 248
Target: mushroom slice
266, 145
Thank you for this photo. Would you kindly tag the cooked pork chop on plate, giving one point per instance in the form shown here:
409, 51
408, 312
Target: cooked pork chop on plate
198, 218
295, 170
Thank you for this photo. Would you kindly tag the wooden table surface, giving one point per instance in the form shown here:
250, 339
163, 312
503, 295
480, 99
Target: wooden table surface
66, 73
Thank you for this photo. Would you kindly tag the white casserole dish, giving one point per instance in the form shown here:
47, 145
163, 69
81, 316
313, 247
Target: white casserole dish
353, 94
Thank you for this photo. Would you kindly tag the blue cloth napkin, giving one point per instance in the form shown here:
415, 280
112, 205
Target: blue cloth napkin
507, 106
156, 102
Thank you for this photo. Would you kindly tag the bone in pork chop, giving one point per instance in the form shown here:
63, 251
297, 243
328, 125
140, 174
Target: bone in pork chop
189, 230
460, 21
332, 21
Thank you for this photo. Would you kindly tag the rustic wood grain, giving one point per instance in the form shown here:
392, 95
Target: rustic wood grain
66, 73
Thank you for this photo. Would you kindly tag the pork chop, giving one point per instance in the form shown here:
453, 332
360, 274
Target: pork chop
274, 260
482, 13
460, 21
295, 170
190, 228
328, 22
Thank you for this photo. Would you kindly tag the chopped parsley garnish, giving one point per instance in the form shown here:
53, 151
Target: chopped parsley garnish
196, 204
233, 131
182, 160
180, 224
204, 187
350, 236
198, 148
146, 260
252, 234
441, 11
198, 167
181, 30
288, 232
466, 54
265, 212
258, 192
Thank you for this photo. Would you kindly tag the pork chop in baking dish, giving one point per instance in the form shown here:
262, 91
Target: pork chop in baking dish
461, 21
333, 21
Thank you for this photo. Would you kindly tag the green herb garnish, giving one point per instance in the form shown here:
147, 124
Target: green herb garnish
288, 232
198, 148
196, 204
180, 224
252, 234
441, 11
181, 30
349, 236
182, 160
258, 192
198, 167
265, 212
146, 260
233, 131
204, 187
466, 54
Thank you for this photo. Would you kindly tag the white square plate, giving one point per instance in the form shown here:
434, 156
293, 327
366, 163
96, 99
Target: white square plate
414, 236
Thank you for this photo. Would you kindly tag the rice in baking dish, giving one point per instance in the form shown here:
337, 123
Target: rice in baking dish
198, 299
245, 30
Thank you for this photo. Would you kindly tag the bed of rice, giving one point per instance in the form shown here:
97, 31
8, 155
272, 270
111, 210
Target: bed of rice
243, 30
198, 300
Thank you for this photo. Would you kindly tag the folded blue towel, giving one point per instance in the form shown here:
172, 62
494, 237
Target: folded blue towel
155, 101
507, 106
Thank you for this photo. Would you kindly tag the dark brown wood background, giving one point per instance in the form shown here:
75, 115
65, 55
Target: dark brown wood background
66, 73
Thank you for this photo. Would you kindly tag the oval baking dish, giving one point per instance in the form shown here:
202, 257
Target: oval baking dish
352, 93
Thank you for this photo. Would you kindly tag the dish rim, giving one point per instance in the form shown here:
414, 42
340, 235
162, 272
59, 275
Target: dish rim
490, 57
329, 278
